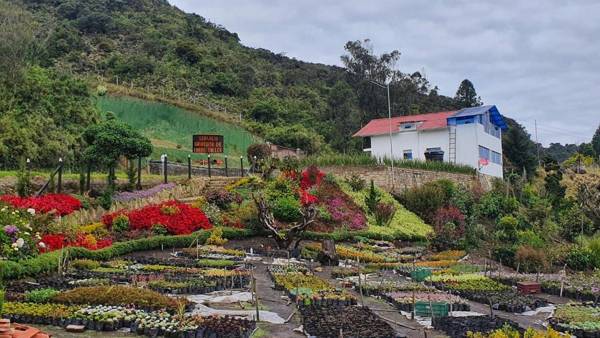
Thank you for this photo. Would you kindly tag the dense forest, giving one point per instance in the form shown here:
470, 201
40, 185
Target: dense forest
156, 48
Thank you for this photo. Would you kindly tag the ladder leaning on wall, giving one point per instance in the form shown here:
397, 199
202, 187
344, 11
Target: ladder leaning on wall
452, 144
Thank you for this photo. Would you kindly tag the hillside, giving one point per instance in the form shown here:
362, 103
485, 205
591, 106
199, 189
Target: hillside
156, 48
170, 128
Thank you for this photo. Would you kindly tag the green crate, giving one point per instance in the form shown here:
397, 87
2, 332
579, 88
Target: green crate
424, 309
421, 274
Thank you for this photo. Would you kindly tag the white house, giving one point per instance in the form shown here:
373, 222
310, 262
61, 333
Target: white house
470, 136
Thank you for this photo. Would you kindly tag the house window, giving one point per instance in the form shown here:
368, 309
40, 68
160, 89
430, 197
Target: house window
408, 154
496, 157
484, 153
408, 126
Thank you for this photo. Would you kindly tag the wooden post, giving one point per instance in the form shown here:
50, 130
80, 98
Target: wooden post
209, 166
88, 178
226, 167
256, 295
189, 167
60, 170
139, 173
165, 161
241, 166
362, 299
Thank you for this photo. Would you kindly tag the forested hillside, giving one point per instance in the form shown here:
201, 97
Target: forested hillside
153, 46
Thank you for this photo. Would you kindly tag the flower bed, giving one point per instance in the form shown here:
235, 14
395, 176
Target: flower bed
404, 300
177, 218
57, 203
458, 327
126, 196
309, 289
578, 320
17, 237
326, 322
118, 295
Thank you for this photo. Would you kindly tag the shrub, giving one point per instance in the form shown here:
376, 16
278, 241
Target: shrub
262, 151
287, 209
216, 237
356, 182
213, 213
573, 222
120, 224
85, 264
372, 199
530, 259
424, 200
384, 212
159, 229
40, 295
221, 198
506, 228
579, 258
24, 187
311, 177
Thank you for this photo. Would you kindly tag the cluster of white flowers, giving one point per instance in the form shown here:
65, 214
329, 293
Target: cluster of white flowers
18, 244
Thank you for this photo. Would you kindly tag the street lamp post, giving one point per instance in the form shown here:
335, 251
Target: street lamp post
387, 87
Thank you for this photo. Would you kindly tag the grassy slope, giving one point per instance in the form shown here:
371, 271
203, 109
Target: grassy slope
168, 126
404, 225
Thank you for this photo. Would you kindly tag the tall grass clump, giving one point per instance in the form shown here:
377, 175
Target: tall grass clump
363, 159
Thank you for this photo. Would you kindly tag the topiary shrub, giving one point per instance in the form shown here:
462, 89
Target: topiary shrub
372, 199
287, 209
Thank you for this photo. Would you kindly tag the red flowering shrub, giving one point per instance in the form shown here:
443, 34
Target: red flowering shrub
449, 226
310, 177
178, 218
53, 242
60, 203
307, 198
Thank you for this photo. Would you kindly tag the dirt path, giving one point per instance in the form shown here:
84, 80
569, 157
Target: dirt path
272, 300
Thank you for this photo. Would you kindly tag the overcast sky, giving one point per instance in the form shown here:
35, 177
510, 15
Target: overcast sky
535, 59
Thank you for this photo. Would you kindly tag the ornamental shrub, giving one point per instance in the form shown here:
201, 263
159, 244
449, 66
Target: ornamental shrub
287, 209
384, 212
356, 182
424, 200
120, 224
221, 198
372, 199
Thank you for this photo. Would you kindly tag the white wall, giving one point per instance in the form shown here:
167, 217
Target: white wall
417, 141
468, 139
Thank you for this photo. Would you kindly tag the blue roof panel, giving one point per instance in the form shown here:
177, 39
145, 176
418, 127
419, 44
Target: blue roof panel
495, 115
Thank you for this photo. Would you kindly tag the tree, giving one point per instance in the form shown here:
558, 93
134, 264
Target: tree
518, 148
596, 142
17, 34
109, 140
466, 96
287, 237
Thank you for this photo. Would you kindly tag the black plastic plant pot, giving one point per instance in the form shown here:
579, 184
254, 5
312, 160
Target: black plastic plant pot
139, 330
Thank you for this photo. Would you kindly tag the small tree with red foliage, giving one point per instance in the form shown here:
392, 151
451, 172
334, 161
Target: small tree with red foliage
449, 227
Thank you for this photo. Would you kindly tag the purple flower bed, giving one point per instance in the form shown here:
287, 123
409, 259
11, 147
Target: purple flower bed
126, 196
340, 212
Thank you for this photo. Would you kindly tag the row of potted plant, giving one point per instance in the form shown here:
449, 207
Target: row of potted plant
577, 319
349, 321
403, 300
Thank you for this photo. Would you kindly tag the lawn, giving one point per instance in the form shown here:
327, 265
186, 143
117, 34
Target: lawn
171, 128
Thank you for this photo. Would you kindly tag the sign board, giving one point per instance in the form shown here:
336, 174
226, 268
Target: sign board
208, 144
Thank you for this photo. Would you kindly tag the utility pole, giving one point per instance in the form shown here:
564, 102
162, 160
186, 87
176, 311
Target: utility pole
537, 143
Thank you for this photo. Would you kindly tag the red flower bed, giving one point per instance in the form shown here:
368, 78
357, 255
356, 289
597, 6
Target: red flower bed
178, 218
61, 204
59, 241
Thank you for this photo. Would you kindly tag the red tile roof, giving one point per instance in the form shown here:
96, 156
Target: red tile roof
382, 126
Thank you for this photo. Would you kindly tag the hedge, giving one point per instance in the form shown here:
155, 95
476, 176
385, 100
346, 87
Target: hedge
48, 262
